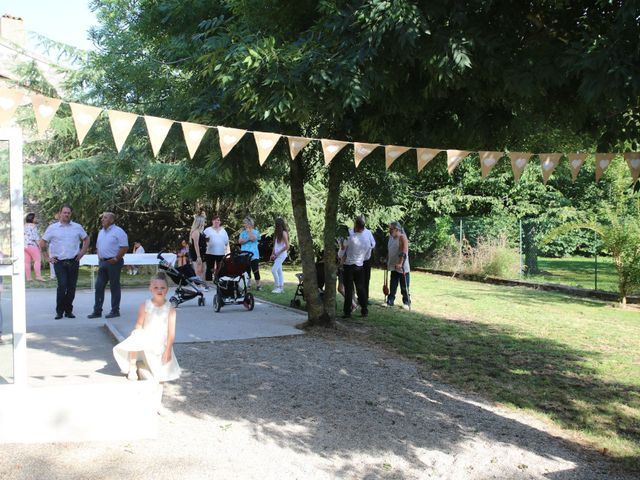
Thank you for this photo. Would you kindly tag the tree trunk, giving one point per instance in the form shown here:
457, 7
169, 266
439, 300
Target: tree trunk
530, 248
330, 226
315, 313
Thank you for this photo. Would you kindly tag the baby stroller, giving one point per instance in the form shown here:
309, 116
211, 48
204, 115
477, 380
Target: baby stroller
189, 285
232, 281
295, 302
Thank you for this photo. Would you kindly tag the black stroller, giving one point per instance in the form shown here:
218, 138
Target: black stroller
189, 286
295, 302
232, 281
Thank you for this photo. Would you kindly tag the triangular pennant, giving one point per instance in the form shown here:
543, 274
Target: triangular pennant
391, 153
158, 129
361, 150
603, 160
193, 135
121, 125
518, 163
425, 155
488, 160
548, 162
576, 160
265, 143
296, 144
454, 157
229, 137
330, 149
9, 101
633, 160
44, 108
84, 116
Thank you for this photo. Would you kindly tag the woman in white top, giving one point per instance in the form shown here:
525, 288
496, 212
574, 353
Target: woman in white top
31, 247
279, 254
217, 246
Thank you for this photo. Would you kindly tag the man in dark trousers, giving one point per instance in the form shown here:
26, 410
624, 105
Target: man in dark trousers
111, 246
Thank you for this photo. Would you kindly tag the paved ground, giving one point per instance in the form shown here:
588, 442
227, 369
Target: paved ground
315, 406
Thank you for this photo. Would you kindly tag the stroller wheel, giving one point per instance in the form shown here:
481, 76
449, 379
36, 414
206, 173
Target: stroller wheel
201, 302
248, 302
297, 303
174, 301
217, 303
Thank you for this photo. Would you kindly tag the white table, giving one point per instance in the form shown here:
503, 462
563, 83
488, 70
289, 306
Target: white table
129, 259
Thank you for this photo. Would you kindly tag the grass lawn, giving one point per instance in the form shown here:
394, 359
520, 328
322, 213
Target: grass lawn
577, 272
573, 361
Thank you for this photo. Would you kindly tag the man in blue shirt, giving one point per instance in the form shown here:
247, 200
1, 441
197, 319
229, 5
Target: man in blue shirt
248, 241
111, 246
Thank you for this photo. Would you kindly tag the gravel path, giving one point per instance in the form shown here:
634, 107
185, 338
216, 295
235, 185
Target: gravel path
317, 406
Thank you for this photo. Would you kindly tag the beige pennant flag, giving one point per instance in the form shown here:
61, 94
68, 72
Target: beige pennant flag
44, 108
330, 149
158, 129
121, 125
361, 150
488, 160
633, 160
603, 160
296, 144
84, 116
425, 155
548, 162
519, 162
576, 160
9, 101
229, 137
193, 135
454, 157
265, 143
391, 153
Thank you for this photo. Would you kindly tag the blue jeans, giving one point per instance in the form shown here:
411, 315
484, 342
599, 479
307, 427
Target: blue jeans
108, 273
67, 276
397, 277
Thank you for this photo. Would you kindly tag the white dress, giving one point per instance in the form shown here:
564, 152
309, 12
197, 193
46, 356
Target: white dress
149, 343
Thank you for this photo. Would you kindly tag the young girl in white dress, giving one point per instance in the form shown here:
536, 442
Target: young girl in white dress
152, 338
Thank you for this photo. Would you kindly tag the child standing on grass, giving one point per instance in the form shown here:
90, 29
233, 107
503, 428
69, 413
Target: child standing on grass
279, 254
152, 338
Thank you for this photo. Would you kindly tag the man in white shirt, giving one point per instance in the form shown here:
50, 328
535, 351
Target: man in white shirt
111, 246
352, 267
67, 242
217, 246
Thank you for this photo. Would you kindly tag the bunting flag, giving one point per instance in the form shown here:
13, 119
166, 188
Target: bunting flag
603, 160
296, 144
548, 162
488, 160
158, 129
44, 108
519, 162
84, 116
391, 153
576, 160
121, 125
633, 160
193, 135
330, 148
361, 150
9, 102
454, 157
425, 155
265, 143
229, 137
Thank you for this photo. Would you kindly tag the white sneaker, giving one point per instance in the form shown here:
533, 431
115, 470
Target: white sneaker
278, 290
406, 307
275, 290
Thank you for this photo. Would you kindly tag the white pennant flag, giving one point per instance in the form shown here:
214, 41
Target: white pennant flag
44, 108
193, 135
488, 160
425, 155
9, 101
121, 125
361, 150
330, 149
229, 137
454, 157
158, 129
391, 153
603, 160
519, 161
548, 162
296, 144
265, 143
84, 117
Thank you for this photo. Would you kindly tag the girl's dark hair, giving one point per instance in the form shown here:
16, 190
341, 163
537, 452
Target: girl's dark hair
281, 227
30, 218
